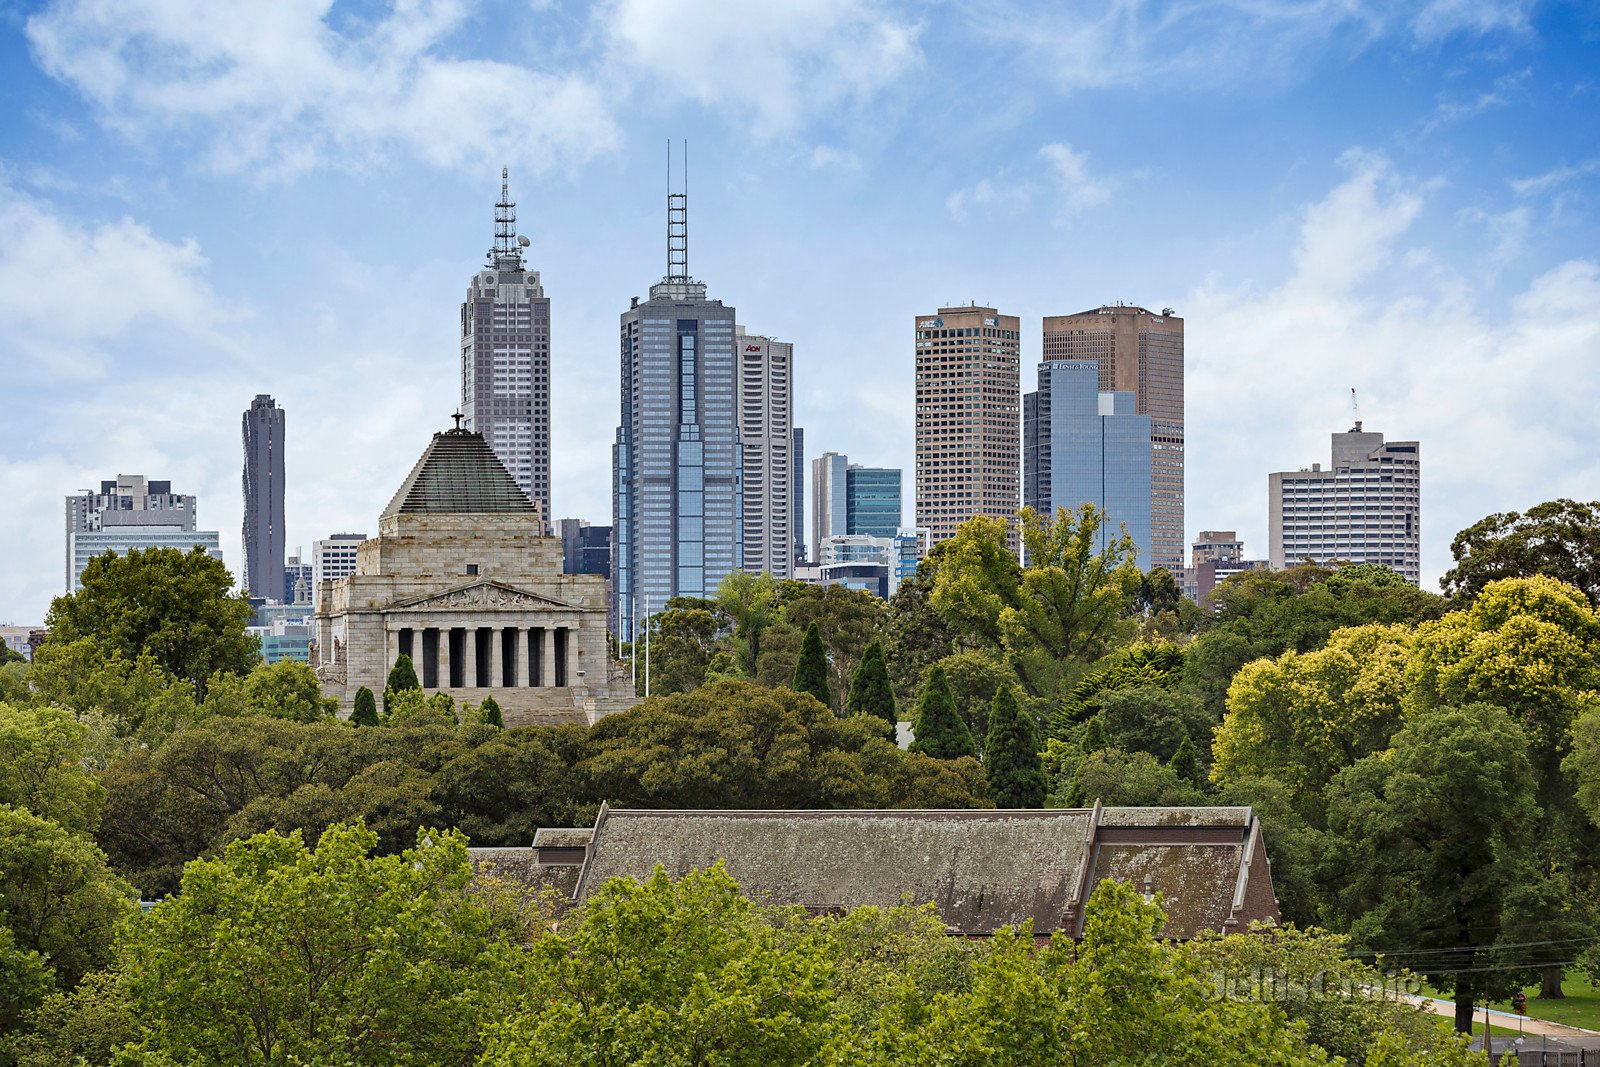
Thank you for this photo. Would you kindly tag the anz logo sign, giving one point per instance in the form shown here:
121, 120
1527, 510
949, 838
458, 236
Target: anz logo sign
930, 323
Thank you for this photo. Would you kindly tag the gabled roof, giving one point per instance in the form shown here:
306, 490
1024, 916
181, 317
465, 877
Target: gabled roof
458, 473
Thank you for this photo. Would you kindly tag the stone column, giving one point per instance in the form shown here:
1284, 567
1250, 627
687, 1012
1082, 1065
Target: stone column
496, 671
469, 656
391, 647
444, 657
547, 655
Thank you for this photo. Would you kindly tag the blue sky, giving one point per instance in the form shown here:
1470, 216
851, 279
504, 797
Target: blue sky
200, 202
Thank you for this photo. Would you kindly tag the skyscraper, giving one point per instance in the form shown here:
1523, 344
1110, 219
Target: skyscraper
968, 417
1139, 352
677, 501
848, 499
797, 461
131, 512
1081, 445
332, 558
263, 499
505, 358
766, 435
1366, 509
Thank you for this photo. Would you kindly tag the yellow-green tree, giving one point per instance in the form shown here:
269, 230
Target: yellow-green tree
1301, 718
1066, 608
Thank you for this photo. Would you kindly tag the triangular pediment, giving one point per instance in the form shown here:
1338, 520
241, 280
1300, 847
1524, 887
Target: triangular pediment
486, 594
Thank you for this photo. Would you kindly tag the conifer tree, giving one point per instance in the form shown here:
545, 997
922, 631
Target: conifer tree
1186, 763
811, 670
365, 712
939, 730
1094, 736
490, 711
401, 678
1011, 755
870, 690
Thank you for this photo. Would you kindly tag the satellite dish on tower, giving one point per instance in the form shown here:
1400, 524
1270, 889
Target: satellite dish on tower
523, 241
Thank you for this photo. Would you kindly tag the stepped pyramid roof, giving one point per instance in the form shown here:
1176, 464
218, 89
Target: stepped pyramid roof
459, 473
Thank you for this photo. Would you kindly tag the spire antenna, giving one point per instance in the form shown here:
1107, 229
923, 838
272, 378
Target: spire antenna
678, 222
506, 254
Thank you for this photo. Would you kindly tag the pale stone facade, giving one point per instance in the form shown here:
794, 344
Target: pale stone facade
460, 580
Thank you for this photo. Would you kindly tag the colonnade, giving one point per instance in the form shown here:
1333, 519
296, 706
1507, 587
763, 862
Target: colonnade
485, 657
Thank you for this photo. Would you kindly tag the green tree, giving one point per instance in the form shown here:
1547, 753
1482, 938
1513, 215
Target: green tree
1064, 610
287, 690
1432, 843
1147, 719
1185, 763
1559, 539
501, 791
276, 953
811, 670
751, 601
85, 1024
10, 655
1158, 592
365, 711
144, 703
673, 973
683, 638
939, 731
1302, 718
1011, 755
1153, 666
975, 677
57, 895
24, 983
1130, 779
43, 751
174, 606
849, 620
402, 679
916, 635
870, 690
490, 710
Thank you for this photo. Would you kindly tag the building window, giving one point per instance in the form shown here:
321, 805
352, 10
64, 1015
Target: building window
472, 568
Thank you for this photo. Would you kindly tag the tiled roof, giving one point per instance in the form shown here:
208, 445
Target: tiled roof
982, 868
458, 473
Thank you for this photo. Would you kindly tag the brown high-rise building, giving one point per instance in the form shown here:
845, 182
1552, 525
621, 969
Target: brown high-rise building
969, 436
1139, 352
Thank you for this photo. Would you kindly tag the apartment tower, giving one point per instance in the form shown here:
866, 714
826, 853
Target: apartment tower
677, 502
1140, 352
131, 512
1366, 508
766, 435
968, 417
263, 499
505, 358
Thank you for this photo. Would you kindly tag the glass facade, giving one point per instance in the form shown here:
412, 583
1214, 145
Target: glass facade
676, 464
872, 501
1082, 445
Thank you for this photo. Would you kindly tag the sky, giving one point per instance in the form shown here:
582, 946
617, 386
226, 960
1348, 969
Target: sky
200, 202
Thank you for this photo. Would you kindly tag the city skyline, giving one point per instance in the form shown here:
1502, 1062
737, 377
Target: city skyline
271, 242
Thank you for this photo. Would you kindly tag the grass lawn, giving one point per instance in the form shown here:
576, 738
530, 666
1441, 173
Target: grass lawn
1581, 1006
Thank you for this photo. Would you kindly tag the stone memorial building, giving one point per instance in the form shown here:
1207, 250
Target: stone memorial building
460, 580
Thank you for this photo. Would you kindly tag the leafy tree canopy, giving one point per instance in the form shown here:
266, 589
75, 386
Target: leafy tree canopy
177, 607
43, 752
1559, 539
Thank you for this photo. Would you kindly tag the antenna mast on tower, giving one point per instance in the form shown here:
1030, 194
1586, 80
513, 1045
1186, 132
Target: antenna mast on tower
678, 222
505, 225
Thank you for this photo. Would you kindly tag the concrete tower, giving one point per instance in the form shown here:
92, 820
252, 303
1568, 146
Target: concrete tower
968, 417
766, 435
263, 499
505, 358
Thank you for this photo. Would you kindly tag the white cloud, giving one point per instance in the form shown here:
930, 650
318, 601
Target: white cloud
1554, 179
68, 290
1499, 396
1065, 182
1096, 43
826, 157
779, 62
277, 88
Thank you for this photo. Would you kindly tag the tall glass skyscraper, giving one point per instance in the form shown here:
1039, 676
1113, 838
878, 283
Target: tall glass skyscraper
1081, 445
677, 512
505, 358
